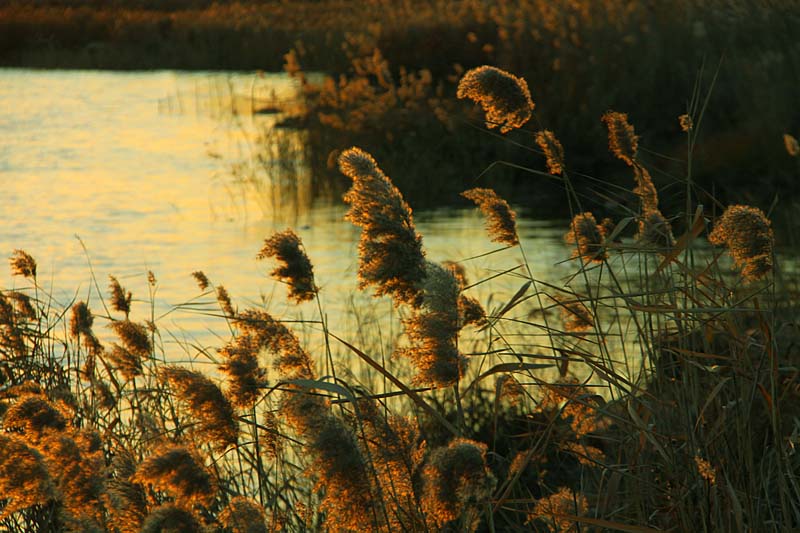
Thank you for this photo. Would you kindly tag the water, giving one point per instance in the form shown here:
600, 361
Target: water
138, 166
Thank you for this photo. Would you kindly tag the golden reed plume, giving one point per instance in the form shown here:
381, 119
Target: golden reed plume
243, 515
24, 478
390, 250
747, 234
500, 218
120, 300
296, 268
553, 151
171, 518
587, 237
23, 264
245, 377
457, 483
209, 407
622, 140
505, 98
180, 472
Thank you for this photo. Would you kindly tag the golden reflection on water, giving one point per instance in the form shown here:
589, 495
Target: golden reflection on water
151, 180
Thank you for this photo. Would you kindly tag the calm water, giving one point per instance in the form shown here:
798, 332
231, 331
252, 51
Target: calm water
147, 170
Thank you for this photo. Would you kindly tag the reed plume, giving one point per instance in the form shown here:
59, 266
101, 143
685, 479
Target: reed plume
553, 151
747, 234
243, 515
791, 144
22, 305
180, 472
125, 499
296, 268
225, 303
587, 238
500, 218
209, 407
169, 518
23, 264
120, 300
457, 483
136, 347
245, 377
292, 361
201, 279
558, 507
396, 451
432, 331
655, 230
390, 251
622, 140
24, 477
34, 416
76, 465
686, 123
81, 320
505, 98
645, 189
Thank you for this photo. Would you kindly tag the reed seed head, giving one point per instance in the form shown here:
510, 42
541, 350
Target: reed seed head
169, 518
34, 416
505, 98
655, 230
180, 472
645, 189
433, 330
390, 251
209, 407
245, 377
500, 218
81, 320
22, 305
747, 234
24, 477
22, 264
587, 238
470, 311
456, 482
225, 303
791, 144
134, 337
622, 140
557, 507
120, 301
296, 268
243, 515
553, 151
686, 123
292, 361
201, 279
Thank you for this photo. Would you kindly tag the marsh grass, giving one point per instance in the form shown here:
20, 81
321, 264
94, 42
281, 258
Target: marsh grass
655, 388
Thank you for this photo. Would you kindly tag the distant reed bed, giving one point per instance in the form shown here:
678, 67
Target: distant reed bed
393, 68
458, 429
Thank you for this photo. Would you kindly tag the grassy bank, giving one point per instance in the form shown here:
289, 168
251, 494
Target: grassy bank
655, 388
393, 68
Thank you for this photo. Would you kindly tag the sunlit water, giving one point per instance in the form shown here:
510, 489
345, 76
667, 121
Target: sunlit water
138, 166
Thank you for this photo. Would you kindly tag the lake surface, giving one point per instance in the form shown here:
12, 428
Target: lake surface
153, 172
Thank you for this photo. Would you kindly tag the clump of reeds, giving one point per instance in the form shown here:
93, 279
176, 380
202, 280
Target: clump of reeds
390, 250
587, 238
296, 268
505, 98
210, 408
500, 218
747, 234
456, 484
180, 472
